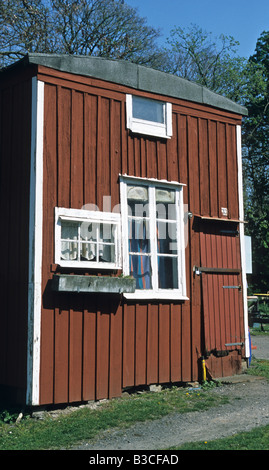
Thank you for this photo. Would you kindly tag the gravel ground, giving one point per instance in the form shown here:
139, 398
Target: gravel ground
248, 408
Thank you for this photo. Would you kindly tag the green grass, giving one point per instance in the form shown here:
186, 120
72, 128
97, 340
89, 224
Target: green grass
258, 331
84, 423
257, 439
259, 367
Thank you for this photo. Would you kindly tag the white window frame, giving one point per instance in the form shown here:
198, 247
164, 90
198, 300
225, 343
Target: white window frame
145, 127
81, 215
155, 293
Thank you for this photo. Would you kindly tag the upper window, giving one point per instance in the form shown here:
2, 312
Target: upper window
153, 238
88, 239
149, 117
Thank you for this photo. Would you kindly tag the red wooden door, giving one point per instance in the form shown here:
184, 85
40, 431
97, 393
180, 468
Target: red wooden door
221, 287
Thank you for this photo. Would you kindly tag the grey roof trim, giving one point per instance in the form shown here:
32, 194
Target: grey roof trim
135, 76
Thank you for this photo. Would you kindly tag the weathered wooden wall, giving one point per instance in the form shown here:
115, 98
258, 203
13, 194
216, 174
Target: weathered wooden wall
91, 346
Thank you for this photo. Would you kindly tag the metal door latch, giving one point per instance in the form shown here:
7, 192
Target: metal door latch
232, 287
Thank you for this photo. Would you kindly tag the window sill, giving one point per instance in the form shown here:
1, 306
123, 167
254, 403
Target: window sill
92, 284
151, 295
87, 265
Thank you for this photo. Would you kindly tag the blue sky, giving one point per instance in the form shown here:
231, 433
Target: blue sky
245, 20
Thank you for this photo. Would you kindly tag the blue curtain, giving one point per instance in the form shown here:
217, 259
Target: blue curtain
140, 267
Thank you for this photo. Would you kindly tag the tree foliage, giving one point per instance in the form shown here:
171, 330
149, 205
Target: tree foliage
256, 160
105, 28
210, 61
214, 63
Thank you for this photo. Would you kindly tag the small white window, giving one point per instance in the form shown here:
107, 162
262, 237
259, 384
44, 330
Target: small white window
149, 117
89, 239
153, 238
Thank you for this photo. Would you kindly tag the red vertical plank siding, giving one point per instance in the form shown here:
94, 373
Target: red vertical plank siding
213, 168
141, 329
77, 151
89, 357
124, 140
176, 340
152, 169
115, 353
233, 200
90, 149
217, 287
222, 167
75, 355
185, 151
162, 160
152, 346
143, 157
128, 346
49, 202
204, 167
94, 347
173, 153
222, 307
220, 262
193, 325
102, 354
115, 151
164, 343
103, 151
61, 356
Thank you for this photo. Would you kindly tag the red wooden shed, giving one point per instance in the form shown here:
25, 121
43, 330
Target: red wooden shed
122, 230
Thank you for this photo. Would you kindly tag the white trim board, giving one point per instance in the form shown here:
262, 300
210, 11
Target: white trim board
35, 243
155, 293
86, 216
146, 127
242, 238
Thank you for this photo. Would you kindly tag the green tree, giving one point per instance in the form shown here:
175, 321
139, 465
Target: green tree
256, 160
210, 61
214, 63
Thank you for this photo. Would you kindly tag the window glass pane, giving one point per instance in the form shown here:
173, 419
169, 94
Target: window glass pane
107, 233
139, 239
88, 241
165, 204
166, 238
107, 253
148, 110
88, 251
138, 209
102, 242
167, 273
69, 233
165, 211
69, 250
140, 269
89, 231
137, 193
164, 195
69, 230
153, 253
138, 201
